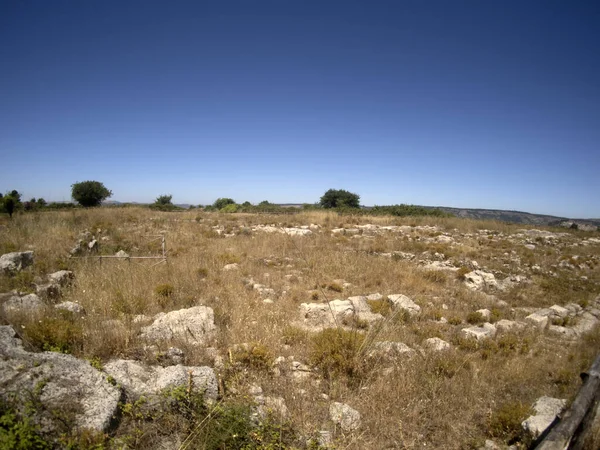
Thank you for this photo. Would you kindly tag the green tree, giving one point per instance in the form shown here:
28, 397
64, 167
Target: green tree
164, 200
89, 193
336, 198
223, 202
10, 202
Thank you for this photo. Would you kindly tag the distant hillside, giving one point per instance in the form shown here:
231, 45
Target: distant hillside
516, 216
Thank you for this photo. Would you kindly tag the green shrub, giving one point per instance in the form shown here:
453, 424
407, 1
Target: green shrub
505, 422
221, 203
475, 318
164, 290
18, 431
383, 307
254, 355
229, 208
60, 332
337, 352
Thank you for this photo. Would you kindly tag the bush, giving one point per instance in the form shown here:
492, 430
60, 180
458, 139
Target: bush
505, 422
222, 203
89, 193
337, 352
337, 198
164, 290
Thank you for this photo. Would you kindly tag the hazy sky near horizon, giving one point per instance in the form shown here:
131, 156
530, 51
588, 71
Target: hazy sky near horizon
482, 104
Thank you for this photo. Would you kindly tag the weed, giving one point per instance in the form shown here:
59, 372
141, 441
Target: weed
505, 422
253, 355
475, 318
383, 306
164, 290
335, 287
337, 352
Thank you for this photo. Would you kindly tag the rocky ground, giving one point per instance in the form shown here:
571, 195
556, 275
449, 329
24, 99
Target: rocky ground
319, 331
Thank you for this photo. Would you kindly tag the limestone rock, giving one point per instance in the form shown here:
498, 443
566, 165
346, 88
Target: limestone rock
391, 350
538, 320
487, 330
122, 254
479, 280
403, 302
138, 379
62, 277
11, 263
436, 344
230, 267
28, 303
546, 409
73, 307
63, 375
343, 415
194, 325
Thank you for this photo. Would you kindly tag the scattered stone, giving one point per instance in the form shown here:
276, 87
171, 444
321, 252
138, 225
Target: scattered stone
391, 350
11, 263
343, 415
139, 379
479, 280
529, 246
403, 302
26, 304
62, 277
546, 409
509, 325
122, 254
93, 245
62, 375
485, 313
194, 325
48, 291
272, 406
268, 301
559, 311
375, 297
487, 330
540, 321
73, 307
230, 267
436, 344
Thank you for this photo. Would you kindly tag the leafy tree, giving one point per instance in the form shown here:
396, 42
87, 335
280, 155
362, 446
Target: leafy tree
336, 198
10, 202
89, 193
221, 203
164, 200
41, 202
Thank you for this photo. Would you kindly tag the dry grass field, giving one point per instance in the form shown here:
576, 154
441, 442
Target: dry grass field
451, 399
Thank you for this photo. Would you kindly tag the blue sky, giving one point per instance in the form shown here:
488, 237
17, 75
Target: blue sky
488, 104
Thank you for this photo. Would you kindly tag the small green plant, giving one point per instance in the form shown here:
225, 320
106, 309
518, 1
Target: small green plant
383, 306
505, 422
337, 352
202, 272
475, 318
294, 336
254, 355
55, 333
18, 431
455, 320
164, 290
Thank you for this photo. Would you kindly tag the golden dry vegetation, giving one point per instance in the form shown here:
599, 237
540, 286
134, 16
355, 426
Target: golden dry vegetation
457, 398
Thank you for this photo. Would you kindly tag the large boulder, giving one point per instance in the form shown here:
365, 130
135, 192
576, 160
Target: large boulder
60, 383
11, 263
139, 379
194, 325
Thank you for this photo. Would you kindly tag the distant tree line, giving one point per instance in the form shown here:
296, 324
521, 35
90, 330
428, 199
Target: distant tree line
92, 193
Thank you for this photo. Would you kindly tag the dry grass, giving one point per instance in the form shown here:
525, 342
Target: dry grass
453, 400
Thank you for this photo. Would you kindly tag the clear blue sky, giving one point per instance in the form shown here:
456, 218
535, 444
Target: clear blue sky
489, 104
